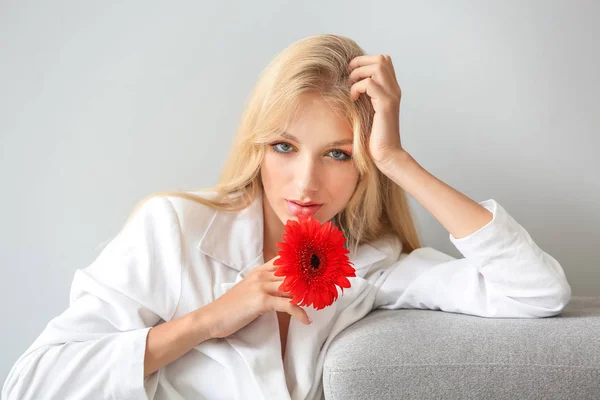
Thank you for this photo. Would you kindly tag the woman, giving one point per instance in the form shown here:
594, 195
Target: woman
183, 303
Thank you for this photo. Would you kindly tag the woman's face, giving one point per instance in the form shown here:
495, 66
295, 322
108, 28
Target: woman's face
310, 162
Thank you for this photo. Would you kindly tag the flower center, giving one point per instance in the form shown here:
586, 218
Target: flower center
314, 261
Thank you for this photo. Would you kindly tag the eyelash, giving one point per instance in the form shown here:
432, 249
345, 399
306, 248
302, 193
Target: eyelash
348, 156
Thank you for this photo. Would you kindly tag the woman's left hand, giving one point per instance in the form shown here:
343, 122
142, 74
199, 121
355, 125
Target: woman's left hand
374, 75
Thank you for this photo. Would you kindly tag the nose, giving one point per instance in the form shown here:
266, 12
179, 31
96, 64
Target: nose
308, 175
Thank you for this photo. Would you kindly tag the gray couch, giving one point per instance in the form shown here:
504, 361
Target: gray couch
427, 354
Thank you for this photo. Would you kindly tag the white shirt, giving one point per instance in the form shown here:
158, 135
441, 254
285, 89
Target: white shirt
176, 255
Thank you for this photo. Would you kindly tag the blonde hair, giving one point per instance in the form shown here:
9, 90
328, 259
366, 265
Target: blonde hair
315, 64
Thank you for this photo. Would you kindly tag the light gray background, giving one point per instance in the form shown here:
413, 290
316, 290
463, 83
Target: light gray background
104, 103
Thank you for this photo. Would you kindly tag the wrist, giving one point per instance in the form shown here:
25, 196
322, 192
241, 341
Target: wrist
396, 160
201, 323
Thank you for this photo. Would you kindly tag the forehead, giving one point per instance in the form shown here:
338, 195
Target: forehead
315, 116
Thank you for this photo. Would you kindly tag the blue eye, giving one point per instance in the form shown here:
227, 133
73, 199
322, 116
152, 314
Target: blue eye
274, 146
343, 156
285, 148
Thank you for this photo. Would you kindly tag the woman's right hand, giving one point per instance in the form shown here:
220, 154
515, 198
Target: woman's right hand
256, 294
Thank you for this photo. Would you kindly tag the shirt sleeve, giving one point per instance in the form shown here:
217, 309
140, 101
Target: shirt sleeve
96, 347
503, 274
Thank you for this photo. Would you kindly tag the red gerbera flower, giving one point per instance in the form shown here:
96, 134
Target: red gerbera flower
313, 259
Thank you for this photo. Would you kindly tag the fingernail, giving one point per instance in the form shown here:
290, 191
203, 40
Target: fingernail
310, 320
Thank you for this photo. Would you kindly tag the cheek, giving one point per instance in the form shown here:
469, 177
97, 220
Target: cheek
272, 171
342, 182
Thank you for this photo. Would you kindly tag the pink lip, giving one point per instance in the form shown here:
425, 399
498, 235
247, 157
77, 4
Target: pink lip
306, 210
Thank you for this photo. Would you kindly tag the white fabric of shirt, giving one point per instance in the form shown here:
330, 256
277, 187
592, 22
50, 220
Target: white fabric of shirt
176, 255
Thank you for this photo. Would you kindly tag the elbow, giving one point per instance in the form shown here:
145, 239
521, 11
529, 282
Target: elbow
534, 302
555, 306
549, 294
561, 299
550, 305
559, 294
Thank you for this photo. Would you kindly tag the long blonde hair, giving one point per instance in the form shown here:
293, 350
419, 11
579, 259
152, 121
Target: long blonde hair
315, 64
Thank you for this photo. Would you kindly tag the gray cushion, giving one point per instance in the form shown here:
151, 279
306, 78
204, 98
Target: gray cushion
429, 354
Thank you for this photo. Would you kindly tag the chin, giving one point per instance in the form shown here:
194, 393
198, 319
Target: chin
316, 216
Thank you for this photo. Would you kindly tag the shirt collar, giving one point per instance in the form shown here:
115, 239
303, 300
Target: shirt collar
235, 239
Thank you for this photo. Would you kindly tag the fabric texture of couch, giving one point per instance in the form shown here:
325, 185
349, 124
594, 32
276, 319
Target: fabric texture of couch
430, 354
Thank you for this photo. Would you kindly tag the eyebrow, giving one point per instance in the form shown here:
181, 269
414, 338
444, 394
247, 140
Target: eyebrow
336, 143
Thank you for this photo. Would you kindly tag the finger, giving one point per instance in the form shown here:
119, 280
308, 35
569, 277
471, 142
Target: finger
368, 86
276, 278
272, 269
391, 64
361, 72
269, 264
273, 288
366, 59
285, 305
382, 76
272, 260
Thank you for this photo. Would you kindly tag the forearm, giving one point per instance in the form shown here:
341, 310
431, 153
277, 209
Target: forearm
169, 341
459, 214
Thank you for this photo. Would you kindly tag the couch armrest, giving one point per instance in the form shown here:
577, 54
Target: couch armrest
429, 354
